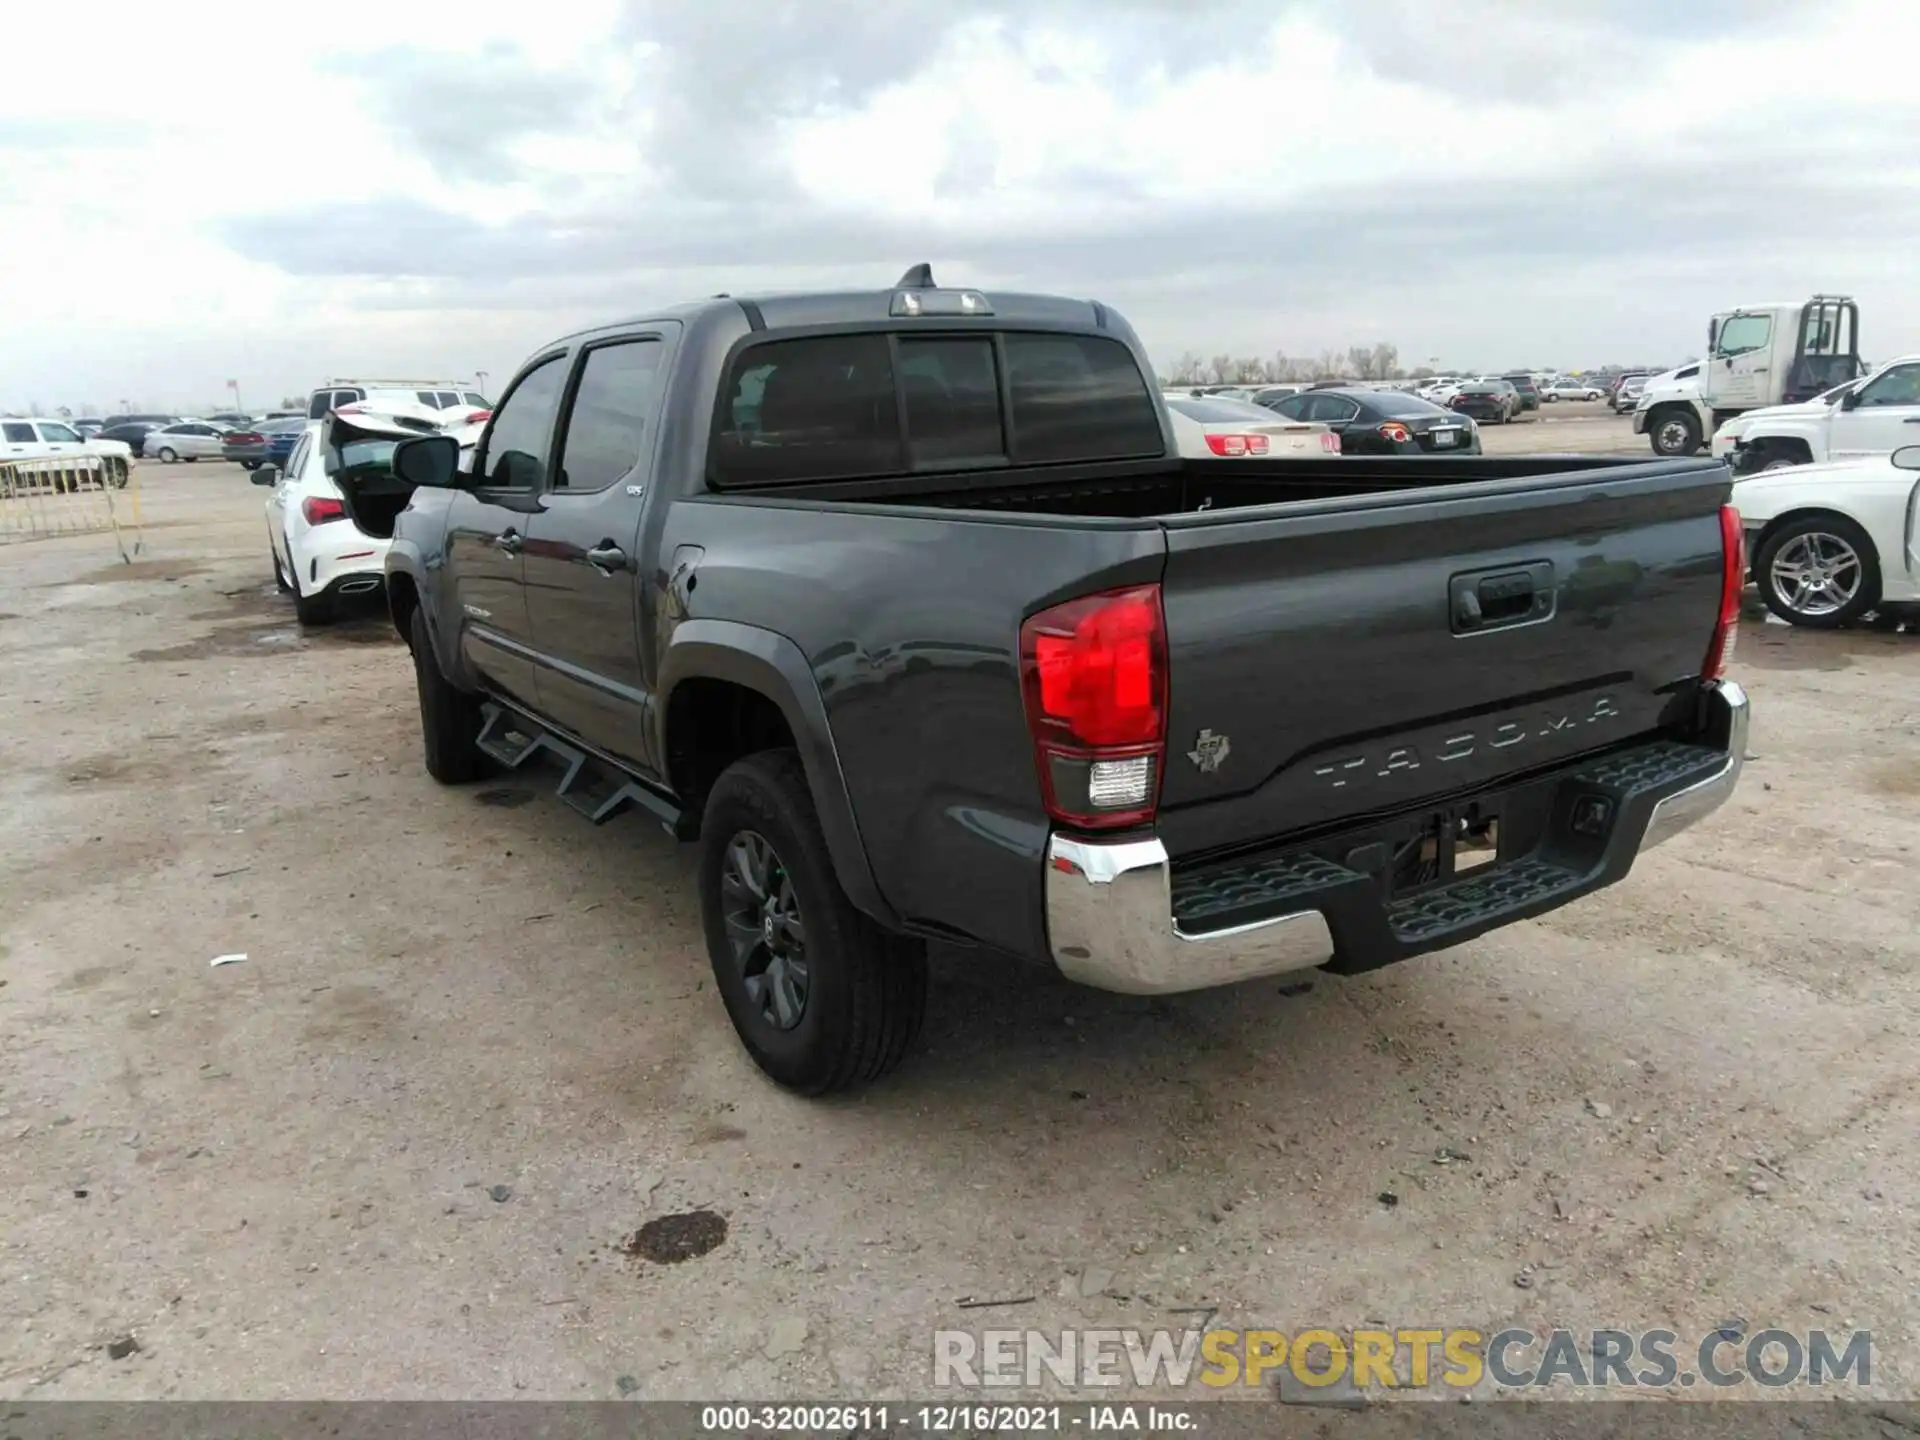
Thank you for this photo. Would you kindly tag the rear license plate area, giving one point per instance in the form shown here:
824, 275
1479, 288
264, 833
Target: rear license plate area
1443, 439
1432, 849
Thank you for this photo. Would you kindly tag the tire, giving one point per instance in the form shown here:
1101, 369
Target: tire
449, 716
312, 610
168, 455
1852, 589
249, 464
862, 992
1674, 433
309, 610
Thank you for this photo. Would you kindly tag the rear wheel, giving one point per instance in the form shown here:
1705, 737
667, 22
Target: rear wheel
307, 609
820, 995
168, 455
1820, 571
249, 464
449, 716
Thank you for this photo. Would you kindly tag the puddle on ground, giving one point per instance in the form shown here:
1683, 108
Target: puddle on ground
673, 1238
1790, 647
1898, 777
139, 570
504, 799
271, 637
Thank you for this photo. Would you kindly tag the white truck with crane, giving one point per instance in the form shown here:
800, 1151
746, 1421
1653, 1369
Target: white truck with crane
1757, 356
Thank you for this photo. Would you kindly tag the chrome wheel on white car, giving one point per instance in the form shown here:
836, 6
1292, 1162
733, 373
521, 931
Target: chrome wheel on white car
1820, 571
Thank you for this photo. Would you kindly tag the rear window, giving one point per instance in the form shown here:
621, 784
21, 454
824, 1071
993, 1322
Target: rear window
856, 406
809, 410
1078, 397
1519, 382
1405, 407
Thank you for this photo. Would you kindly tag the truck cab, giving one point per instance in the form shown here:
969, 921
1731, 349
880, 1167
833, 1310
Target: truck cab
1757, 355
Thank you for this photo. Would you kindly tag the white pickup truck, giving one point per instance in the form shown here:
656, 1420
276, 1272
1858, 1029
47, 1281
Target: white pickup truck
1854, 421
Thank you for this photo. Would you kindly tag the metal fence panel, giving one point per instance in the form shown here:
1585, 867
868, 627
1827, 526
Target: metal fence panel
70, 495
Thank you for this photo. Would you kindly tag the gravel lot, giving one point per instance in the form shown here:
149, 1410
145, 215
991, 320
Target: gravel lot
399, 1150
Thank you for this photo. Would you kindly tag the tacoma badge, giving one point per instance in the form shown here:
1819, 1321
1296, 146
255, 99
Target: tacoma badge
1209, 751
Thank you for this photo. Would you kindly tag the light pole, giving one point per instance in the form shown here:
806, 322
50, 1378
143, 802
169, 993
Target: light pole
483, 380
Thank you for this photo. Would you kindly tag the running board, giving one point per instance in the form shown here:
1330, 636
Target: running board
589, 785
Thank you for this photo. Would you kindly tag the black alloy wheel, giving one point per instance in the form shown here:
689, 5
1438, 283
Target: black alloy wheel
765, 931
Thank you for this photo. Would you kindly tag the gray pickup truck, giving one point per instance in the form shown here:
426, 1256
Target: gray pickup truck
902, 605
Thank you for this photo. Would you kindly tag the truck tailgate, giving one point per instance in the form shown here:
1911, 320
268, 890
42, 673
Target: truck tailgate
1357, 656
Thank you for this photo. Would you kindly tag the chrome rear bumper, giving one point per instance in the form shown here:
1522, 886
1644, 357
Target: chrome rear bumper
1110, 913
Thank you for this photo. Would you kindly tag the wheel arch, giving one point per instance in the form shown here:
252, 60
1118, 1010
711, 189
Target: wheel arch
711, 664
1774, 526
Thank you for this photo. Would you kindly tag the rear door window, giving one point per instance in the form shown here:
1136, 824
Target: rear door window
1078, 397
19, 434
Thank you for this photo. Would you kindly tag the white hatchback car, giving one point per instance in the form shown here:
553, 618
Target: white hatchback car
319, 554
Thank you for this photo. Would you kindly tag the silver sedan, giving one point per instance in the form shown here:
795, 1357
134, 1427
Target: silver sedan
189, 440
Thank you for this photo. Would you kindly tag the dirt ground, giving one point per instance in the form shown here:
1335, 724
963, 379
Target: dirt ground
401, 1148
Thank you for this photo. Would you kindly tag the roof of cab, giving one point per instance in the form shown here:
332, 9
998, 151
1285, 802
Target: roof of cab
781, 310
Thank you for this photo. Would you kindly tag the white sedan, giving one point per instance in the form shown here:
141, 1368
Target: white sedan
189, 440
319, 554
1212, 425
1828, 543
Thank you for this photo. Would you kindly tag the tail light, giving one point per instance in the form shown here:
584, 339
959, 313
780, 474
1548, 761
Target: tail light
1094, 672
1237, 445
1733, 579
319, 509
1330, 443
1396, 432
478, 417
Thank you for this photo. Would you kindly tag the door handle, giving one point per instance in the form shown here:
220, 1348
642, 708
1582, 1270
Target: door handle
607, 557
508, 541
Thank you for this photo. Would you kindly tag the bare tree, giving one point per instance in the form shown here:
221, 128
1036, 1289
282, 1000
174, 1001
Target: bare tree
1386, 360
1220, 371
1188, 369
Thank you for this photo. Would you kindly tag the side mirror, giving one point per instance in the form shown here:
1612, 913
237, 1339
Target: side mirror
1907, 457
1850, 400
265, 475
429, 460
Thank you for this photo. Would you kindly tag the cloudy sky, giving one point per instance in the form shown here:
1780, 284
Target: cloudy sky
212, 190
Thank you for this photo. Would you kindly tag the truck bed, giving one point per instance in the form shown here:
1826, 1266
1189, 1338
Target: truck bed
1157, 489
